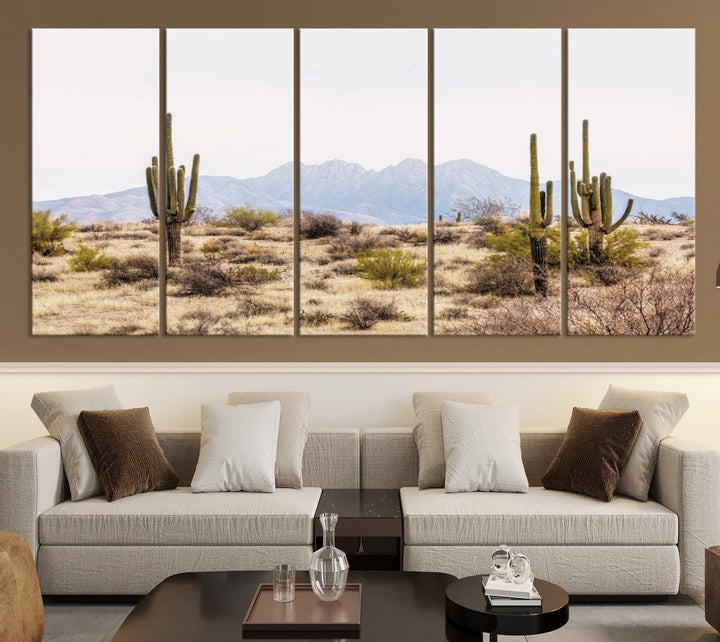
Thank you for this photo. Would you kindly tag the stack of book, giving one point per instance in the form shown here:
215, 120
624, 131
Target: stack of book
500, 591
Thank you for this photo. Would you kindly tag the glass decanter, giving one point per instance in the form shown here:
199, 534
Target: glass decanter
328, 565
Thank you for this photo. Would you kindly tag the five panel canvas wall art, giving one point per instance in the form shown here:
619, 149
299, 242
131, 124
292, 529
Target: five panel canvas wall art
363, 182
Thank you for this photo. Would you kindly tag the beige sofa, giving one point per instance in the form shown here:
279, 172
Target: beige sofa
590, 547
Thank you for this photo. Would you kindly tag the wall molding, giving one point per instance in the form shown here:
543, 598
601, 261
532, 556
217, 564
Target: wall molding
211, 368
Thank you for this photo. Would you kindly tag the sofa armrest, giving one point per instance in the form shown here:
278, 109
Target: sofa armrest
32, 480
687, 481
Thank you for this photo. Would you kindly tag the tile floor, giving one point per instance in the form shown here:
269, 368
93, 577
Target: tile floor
680, 619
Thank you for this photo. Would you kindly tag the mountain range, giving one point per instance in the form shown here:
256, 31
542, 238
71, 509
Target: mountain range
394, 195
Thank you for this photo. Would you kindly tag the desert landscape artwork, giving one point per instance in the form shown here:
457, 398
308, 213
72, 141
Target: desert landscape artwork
216, 216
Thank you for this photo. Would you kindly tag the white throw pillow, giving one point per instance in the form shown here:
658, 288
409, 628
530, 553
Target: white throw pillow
660, 412
429, 435
482, 448
238, 447
294, 428
59, 411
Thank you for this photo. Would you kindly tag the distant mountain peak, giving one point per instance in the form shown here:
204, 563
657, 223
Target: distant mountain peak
394, 195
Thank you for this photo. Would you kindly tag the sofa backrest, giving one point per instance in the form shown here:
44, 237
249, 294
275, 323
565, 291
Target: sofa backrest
388, 456
331, 458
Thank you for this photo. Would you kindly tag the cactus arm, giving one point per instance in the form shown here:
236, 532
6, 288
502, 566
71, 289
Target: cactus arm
574, 189
181, 190
172, 191
192, 193
548, 210
151, 178
586, 152
605, 200
621, 220
168, 141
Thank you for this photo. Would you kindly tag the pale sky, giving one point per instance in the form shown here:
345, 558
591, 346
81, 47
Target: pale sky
637, 89
363, 99
95, 109
230, 92
363, 95
493, 88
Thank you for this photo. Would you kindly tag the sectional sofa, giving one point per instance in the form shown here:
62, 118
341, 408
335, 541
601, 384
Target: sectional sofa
590, 547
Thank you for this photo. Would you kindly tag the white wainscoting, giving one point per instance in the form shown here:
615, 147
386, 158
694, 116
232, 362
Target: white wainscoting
361, 394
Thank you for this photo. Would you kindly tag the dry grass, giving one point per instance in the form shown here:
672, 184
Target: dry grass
257, 297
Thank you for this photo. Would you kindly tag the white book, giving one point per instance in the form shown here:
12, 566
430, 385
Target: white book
501, 587
535, 600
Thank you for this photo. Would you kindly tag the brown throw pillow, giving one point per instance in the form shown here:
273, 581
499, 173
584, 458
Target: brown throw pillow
125, 451
595, 449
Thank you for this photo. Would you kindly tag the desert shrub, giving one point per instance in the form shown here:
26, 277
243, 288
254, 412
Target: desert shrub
503, 275
514, 241
316, 284
49, 232
346, 246
204, 278
86, 259
133, 269
420, 238
454, 312
648, 302
316, 226
364, 313
248, 218
254, 275
252, 307
445, 236
40, 275
355, 228
621, 247
202, 322
315, 318
489, 213
215, 246
258, 254
522, 316
345, 268
390, 269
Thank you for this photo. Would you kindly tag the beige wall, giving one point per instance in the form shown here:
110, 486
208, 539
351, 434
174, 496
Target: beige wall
360, 394
16, 344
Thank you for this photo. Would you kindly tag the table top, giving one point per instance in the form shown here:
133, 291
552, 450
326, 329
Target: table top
361, 503
211, 606
467, 607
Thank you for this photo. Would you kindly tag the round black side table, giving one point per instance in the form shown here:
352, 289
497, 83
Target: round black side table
469, 613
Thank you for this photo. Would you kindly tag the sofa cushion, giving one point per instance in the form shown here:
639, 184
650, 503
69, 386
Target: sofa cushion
238, 448
59, 411
428, 432
660, 412
125, 452
292, 433
540, 516
181, 517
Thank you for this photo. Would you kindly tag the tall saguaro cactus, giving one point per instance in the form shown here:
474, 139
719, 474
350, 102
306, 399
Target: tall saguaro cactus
595, 209
177, 209
541, 216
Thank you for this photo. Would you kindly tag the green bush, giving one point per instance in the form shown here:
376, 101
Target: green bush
49, 232
502, 275
619, 249
133, 269
88, 260
317, 226
248, 218
514, 241
253, 275
390, 269
364, 313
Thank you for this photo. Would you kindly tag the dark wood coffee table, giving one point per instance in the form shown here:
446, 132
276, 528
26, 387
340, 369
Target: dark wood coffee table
210, 606
470, 615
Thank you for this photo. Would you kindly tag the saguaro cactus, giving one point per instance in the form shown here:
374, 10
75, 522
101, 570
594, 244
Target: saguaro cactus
177, 209
541, 216
595, 210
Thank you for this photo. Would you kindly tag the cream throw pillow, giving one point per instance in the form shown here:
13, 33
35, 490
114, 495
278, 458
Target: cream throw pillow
660, 412
428, 432
294, 428
238, 446
59, 411
482, 448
